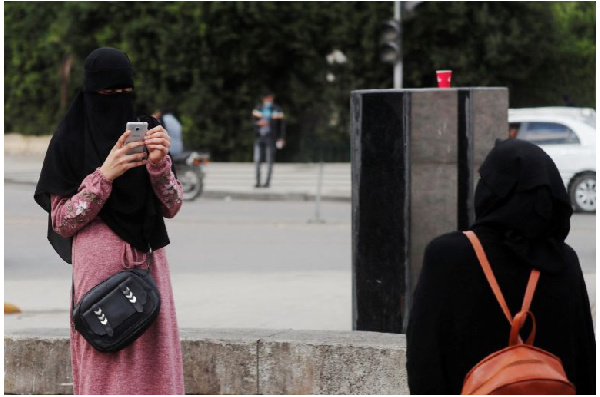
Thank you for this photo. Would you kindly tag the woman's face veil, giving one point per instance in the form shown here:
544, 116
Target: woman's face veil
107, 115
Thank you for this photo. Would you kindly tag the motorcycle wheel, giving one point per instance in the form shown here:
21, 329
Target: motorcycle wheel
191, 181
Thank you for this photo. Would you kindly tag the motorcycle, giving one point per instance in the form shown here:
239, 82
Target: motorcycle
189, 167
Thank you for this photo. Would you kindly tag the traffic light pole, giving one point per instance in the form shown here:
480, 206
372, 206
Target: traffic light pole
398, 64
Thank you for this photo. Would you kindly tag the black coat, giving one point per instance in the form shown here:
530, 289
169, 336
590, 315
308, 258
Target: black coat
456, 321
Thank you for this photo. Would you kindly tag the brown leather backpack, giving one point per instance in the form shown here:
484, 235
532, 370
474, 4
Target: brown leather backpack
520, 368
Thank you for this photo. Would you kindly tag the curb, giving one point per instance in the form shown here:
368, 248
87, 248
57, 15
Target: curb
271, 196
19, 182
224, 195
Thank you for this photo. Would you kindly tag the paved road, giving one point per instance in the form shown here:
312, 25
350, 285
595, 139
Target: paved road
234, 264
207, 235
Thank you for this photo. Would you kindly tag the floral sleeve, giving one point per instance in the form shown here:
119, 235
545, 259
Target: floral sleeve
166, 187
71, 214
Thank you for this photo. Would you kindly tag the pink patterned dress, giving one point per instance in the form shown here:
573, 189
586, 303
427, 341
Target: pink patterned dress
153, 363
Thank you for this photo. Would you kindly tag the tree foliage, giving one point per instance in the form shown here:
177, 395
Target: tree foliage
539, 50
208, 61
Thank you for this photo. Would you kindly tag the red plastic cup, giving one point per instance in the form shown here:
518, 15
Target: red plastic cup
443, 78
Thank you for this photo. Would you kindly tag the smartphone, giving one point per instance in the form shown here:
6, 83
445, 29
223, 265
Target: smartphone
138, 132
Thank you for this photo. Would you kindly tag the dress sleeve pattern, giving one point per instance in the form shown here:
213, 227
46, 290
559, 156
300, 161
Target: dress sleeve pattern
71, 214
166, 187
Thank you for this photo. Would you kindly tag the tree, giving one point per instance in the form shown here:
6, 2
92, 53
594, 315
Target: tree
31, 63
573, 68
525, 46
209, 61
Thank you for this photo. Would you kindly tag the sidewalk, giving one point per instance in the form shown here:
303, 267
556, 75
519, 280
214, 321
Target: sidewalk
223, 300
290, 181
279, 300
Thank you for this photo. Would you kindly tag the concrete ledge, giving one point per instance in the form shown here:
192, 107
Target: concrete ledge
37, 362
321, 362
15, 143
234, 361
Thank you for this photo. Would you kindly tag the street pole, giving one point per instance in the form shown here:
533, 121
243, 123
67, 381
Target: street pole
398, 64
317, 218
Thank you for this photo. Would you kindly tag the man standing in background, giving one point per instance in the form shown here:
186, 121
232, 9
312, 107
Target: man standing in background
268, 120
173, 127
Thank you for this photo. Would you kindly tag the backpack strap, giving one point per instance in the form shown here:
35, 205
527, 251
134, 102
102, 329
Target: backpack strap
520, 318
489, 275
531, 285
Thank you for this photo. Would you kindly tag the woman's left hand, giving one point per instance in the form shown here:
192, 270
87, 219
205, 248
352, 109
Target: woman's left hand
158, 142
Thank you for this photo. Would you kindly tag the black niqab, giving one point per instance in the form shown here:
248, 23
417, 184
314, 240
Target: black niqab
521, 195
81, 143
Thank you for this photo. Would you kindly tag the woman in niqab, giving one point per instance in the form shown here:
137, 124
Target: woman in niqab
522, 219
106, 210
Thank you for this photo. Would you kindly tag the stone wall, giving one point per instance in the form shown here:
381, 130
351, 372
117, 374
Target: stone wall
234, 361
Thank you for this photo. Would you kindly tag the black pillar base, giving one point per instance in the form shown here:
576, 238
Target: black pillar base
414, 159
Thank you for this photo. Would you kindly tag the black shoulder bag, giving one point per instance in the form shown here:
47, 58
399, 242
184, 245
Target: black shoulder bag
117, 311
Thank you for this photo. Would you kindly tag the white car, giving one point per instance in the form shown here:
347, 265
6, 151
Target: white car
568, 135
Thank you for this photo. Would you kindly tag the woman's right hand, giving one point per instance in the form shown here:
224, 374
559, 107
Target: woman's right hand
118, 161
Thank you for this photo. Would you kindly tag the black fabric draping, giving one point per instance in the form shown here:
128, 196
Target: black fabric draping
81, 143
522, 219
521, 194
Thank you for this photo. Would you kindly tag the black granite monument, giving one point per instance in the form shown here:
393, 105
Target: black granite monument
415, 156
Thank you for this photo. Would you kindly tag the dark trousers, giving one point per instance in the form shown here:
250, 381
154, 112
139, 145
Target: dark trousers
264, 148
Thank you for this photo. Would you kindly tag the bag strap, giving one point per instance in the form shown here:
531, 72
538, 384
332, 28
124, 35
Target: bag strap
72, 293
531, 285
489, 275
520, 318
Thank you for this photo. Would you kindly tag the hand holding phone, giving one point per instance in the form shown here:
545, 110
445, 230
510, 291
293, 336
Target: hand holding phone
158, 144
114, 166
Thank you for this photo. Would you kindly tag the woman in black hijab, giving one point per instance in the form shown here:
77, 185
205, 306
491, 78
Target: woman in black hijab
522, 219
82, 143
106, 210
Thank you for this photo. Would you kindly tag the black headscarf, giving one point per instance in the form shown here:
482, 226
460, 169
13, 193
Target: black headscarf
81, 143
521, 195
